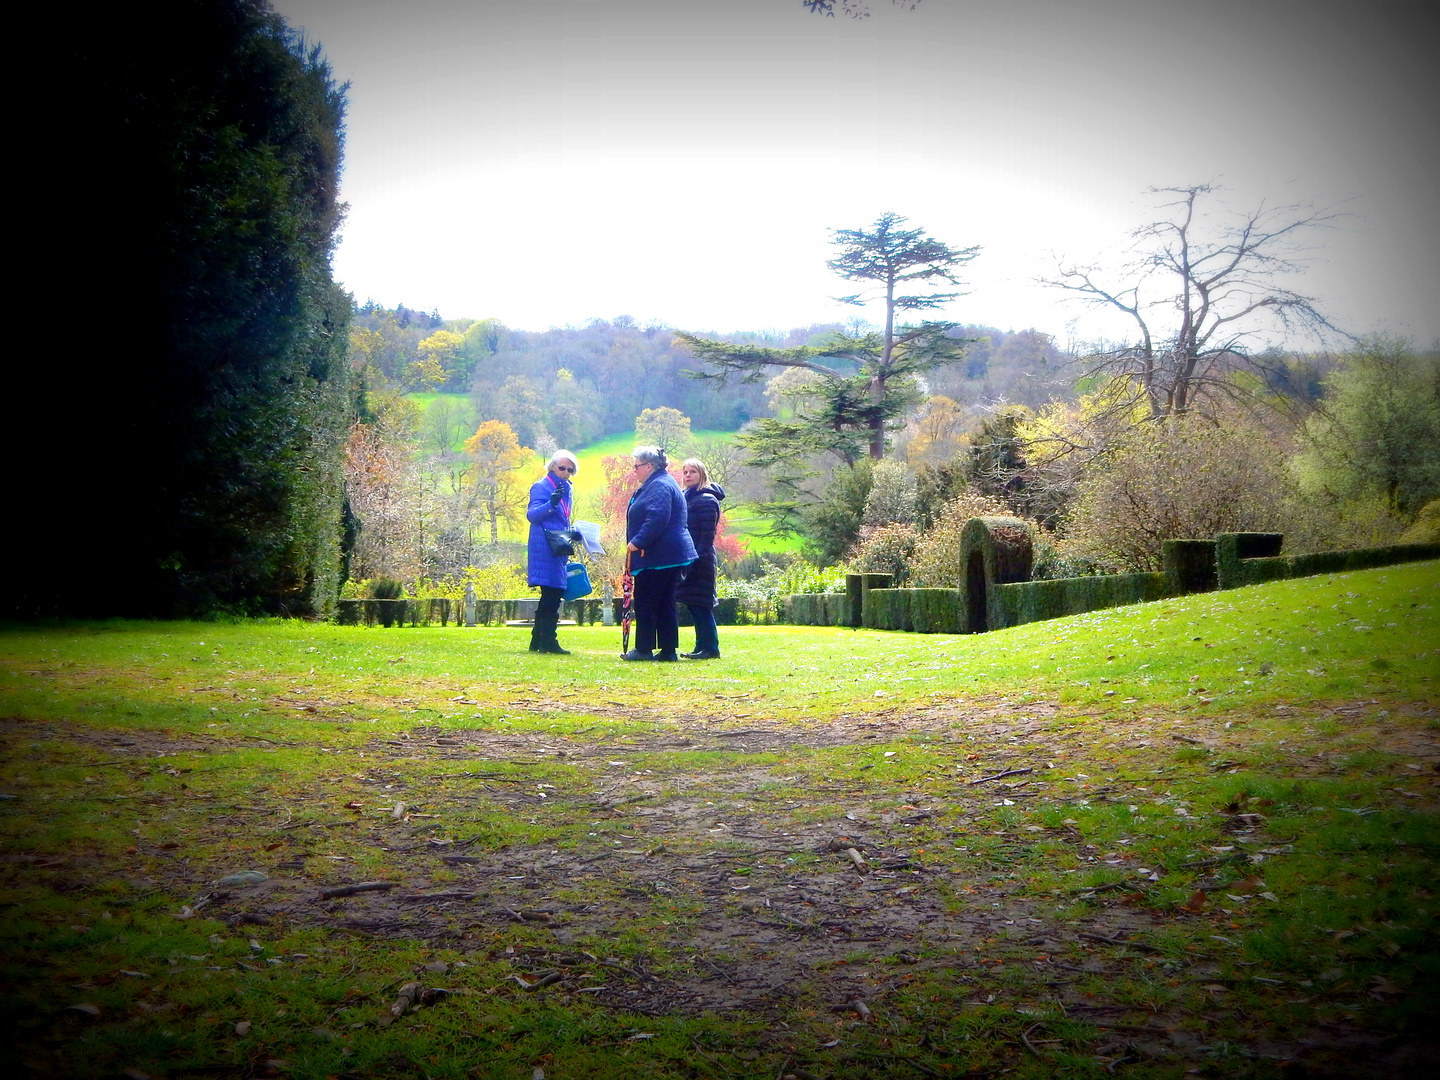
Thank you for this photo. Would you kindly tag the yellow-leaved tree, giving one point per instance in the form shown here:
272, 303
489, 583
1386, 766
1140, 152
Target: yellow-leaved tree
495, 482
435, 361
937, 432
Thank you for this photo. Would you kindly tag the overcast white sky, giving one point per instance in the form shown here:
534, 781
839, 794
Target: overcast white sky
547, 162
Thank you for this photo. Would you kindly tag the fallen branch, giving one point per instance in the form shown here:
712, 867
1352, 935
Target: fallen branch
1117, 941
1002, 775
355, 890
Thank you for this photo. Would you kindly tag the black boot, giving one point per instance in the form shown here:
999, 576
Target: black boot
542, 632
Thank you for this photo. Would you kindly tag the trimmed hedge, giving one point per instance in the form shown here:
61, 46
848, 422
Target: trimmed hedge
995, 550
1192, 563
1254, 558
1033, 601
1004, 543
727, 612
817, 609
888, 609
937, 611
856, 586
446, 612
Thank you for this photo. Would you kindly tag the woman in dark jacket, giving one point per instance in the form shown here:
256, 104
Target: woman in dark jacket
659, 547
697, 588
549, 508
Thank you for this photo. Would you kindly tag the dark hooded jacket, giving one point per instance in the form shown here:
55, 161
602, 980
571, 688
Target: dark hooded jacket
702, 519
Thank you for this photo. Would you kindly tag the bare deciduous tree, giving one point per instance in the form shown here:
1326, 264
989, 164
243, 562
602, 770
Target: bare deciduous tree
1201, 296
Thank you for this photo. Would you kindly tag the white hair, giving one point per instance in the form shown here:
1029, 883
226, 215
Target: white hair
564, 455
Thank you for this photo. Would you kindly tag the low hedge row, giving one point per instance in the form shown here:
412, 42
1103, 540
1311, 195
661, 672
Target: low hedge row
1034, 601
995, 551
449, 612
923, 611
1254, 558
817, 609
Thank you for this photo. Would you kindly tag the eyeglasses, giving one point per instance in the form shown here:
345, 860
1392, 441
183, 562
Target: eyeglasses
641, 464
565, 468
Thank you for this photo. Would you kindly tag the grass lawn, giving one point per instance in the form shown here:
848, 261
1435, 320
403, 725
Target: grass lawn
1196, 837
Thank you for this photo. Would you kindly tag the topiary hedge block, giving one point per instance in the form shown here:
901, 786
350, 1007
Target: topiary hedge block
937, 611
1191, 563
856, 588
1248, 559
1005, 544
887, 609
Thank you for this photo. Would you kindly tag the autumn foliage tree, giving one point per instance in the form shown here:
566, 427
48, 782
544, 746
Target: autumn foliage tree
383, 487
495, 480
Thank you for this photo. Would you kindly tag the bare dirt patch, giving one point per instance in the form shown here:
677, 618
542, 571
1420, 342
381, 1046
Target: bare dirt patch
762, 888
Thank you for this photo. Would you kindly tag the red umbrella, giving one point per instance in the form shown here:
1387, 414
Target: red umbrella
627, 605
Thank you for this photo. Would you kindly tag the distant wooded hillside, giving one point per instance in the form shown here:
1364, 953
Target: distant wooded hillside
569, 386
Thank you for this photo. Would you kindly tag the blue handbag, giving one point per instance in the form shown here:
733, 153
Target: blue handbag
577, 581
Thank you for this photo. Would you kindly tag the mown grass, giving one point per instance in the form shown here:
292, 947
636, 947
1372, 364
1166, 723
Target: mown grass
1325, 914
1297, 640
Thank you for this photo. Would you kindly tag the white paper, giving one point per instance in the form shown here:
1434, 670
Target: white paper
591, 532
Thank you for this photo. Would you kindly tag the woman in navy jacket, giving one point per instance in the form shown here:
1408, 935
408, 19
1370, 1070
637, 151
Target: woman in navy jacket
549, 509
697, 587
659, 546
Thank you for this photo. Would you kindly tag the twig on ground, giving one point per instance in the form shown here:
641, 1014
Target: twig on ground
1001, 775
355, 890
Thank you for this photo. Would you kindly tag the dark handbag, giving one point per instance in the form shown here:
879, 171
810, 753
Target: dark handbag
561, 541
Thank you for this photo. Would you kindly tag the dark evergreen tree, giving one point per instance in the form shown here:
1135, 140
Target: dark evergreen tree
865, 381
190, 163
833, 524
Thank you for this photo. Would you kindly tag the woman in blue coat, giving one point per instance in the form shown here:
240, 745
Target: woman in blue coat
549, 509
659, 546
697, 586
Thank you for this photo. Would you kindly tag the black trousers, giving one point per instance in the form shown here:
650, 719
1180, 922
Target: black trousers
547, 615
656, 621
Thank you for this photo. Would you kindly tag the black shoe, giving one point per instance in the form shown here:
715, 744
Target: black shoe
553, 647
636, 654
703, 654
668, 656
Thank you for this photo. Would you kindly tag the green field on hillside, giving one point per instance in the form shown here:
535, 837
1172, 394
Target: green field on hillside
742, 520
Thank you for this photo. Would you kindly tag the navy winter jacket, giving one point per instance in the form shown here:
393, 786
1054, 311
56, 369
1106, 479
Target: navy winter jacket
702, 519
655, 523
544, 568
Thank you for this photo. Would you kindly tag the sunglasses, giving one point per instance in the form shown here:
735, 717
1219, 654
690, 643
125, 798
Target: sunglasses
564, 468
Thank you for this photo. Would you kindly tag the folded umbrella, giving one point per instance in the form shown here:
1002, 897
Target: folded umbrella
627, 605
